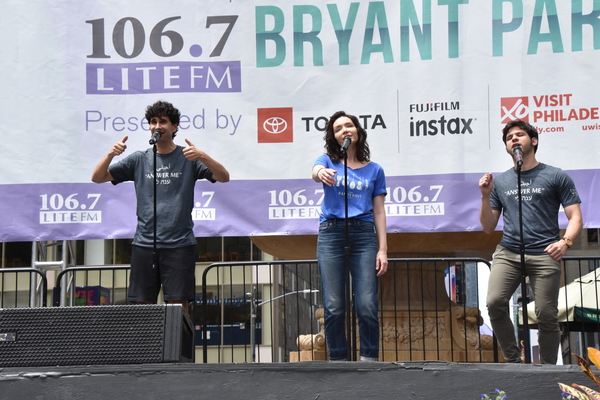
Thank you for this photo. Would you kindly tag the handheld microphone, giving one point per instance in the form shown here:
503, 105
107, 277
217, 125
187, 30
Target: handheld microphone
155, 136
346, 143
518, 153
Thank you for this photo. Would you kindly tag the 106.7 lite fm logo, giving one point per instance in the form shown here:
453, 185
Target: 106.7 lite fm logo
131, 40
447, 124
406, 199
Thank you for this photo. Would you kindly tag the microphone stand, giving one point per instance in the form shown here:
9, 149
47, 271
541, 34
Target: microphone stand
154, 255
524, 299
351, 339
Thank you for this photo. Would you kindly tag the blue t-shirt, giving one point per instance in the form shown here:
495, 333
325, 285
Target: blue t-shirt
543, 189
176, 177
364, 184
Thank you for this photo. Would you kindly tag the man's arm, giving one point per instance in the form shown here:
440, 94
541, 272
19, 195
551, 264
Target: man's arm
101, 173
558, 249
220, 174
573, 213
487, 216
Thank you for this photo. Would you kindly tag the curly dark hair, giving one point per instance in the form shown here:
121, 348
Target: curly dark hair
332, 147
163, 109
526, 126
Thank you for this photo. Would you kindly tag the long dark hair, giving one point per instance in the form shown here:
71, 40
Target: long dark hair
332, 147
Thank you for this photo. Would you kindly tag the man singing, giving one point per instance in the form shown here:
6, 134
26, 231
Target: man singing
176, 243
544, 189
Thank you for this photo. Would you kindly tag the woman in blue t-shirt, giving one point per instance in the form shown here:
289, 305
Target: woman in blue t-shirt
367, 244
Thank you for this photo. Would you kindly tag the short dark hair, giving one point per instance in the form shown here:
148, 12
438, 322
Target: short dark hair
332, 147
163, 108
526, 126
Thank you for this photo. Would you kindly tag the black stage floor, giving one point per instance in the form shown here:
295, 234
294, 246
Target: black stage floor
305, 380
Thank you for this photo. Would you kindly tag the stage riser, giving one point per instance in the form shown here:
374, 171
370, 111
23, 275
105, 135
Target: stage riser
298, 380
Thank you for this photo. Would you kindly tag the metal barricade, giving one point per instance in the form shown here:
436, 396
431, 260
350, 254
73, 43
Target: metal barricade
269, 311
35, 287
103, 278
424, 315
579, 314
257, 311
429, 309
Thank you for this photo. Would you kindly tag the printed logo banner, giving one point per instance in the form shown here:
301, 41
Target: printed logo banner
433, 83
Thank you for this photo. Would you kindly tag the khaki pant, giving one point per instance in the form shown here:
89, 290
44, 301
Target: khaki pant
544, 277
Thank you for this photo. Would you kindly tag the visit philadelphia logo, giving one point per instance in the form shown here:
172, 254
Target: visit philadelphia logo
421, 124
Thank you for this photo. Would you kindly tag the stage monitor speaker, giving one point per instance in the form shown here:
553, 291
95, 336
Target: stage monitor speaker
95, 335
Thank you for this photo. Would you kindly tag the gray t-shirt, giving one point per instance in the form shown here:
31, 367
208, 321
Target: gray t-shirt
543, 189
176, 177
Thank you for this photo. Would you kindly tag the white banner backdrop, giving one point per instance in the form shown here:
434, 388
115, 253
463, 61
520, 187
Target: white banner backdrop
433, 82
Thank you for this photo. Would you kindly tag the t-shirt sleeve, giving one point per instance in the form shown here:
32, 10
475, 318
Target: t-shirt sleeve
323, 160
380, 184
202, 172
494, 200
567, 191
124, 170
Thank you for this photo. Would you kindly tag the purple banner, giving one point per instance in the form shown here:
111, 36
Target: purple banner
164, 77
428, 203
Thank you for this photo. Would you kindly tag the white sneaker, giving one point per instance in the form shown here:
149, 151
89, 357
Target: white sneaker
368, 359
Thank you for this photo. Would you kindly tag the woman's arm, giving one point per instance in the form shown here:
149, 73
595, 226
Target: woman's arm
381, 263
320, 173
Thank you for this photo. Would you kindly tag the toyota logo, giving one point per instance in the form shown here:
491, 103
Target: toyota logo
275, 125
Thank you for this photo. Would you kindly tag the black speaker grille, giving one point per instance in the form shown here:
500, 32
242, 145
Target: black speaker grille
94, 335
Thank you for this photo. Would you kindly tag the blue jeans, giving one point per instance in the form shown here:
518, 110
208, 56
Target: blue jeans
363, 253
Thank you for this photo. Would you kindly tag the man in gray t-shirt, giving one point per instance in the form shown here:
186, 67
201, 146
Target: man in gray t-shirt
543, 190
177, 170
